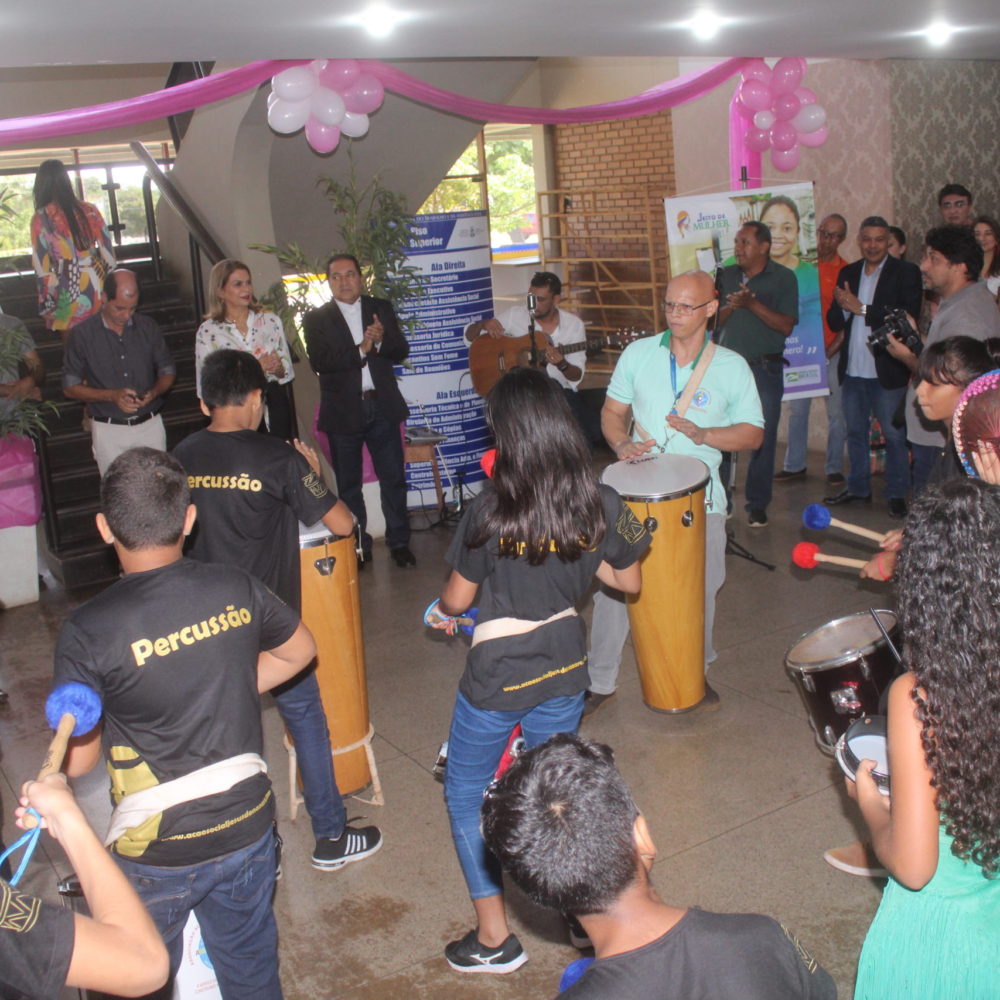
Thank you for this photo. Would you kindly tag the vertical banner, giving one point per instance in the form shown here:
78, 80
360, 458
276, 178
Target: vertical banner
701, 230
452, 249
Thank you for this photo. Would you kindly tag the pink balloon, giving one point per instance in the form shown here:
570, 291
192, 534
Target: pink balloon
756, 95
785, 159
757, 140
764, 119
365, 95
810, 118
742, 109
786, 107
784, 136
814, 139
758, 70
339, 74
322, 138
805, 95
786, 75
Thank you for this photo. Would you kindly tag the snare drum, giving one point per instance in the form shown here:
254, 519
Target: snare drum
331, 608
667, 494
841, 670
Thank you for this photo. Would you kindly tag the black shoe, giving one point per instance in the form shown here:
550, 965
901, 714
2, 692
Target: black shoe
403, 557
469, 955
354, 844
897, 507
846, 497
364, 558
787, 475
592, 701
757, 518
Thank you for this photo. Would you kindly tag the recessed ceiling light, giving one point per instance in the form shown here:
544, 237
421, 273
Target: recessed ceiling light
938, 33
379, 19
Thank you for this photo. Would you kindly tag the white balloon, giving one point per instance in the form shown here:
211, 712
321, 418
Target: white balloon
327, 106
354, 125
288, 116
764, 120
271, 98
295, 84
810, 119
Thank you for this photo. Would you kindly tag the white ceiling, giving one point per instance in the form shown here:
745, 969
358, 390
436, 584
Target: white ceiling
234, 31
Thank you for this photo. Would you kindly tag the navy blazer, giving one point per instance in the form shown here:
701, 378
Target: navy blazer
899, 287
336, 359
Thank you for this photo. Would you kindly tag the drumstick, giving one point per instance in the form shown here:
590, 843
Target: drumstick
807, 555
818, 517
71, 710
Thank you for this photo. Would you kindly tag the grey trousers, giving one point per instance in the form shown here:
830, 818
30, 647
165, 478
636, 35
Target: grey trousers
610, 626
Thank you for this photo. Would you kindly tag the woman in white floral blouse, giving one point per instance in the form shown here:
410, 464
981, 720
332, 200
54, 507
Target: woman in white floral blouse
235, 320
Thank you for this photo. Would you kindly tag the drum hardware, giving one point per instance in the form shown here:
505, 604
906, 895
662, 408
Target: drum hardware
650, 524
845, 700
687, 518
733, 547
325, 566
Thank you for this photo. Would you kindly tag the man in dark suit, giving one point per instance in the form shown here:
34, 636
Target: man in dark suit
872, 380
353, 343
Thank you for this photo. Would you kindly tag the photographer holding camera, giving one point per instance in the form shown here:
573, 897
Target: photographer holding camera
873, 380
950, 267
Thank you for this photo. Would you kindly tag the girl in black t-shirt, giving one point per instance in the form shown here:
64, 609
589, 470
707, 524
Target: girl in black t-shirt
530, 544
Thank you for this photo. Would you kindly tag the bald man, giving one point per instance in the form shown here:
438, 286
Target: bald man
724, 414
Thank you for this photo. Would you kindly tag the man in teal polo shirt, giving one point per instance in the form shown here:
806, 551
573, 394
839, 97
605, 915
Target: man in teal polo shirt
759, 310
724, 415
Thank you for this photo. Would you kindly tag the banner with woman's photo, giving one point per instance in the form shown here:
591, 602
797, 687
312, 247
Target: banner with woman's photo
701, 230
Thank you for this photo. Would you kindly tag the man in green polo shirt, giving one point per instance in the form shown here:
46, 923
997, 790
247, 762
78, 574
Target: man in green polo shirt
724, 415
759, 309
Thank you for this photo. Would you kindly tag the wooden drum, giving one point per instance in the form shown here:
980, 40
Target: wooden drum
667, 493
331, 608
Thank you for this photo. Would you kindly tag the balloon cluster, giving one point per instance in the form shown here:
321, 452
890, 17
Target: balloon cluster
327, 97
785, 114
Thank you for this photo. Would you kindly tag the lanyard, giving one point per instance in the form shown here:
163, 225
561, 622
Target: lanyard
673, 375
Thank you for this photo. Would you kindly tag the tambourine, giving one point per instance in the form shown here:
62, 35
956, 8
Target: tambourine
865, 739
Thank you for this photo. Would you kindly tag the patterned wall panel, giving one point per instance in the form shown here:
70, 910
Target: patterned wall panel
945, 128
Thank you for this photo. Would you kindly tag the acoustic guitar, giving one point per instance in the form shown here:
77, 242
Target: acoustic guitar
490, 357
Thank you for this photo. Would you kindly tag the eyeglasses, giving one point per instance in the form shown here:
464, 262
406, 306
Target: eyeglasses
682, 308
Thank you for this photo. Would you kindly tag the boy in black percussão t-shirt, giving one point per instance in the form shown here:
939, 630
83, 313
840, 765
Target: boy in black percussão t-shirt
179, 651
251, 490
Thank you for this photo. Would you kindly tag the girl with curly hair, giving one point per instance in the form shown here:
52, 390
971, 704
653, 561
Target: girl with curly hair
937, 930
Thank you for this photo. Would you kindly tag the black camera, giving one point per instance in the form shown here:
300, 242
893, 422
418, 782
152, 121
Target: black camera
898, 325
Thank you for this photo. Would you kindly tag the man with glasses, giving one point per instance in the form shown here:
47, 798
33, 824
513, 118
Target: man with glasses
724, 414
759, 309
955, 203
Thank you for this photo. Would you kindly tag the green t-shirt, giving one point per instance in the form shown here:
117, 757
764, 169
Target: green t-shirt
776, 288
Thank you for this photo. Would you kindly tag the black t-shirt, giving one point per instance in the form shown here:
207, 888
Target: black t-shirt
36, 944
710, 956
522, 671
173, 654
251, 490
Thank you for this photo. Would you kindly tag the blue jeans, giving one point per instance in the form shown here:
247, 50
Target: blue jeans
231, 897
924, 457
863, 397
385, 445
476, 741
301, 710
770, 379
798, 434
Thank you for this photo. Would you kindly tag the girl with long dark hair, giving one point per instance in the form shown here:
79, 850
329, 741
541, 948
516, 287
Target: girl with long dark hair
530, 544
71, 250
936, 930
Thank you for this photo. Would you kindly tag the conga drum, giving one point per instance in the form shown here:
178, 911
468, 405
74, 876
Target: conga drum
667, 494
331, 608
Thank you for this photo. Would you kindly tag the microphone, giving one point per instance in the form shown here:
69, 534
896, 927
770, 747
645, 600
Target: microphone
532, 303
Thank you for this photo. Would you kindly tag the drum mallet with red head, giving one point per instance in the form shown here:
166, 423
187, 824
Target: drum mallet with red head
71, 710
807, 556
818, 517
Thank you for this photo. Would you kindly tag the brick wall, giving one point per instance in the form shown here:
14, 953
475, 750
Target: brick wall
612, 177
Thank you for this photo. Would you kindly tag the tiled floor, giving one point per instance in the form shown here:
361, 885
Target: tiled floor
740, 801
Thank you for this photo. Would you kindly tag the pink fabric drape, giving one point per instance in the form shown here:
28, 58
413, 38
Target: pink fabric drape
188, 96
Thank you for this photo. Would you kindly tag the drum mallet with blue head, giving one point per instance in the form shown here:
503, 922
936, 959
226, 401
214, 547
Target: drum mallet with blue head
807, 555
434, 617
818, 517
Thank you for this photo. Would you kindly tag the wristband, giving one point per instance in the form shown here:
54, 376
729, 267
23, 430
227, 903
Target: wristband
881, 568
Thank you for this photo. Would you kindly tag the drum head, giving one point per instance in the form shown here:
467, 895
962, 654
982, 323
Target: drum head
315, 534
865, 739
839, 641
657, 477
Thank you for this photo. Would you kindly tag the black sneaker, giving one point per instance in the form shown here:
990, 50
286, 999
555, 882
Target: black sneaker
468, 955
757, 518
592, 701
354, 844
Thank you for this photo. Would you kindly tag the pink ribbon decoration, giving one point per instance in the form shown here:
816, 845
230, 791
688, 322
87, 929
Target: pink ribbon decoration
188, 96
739, 155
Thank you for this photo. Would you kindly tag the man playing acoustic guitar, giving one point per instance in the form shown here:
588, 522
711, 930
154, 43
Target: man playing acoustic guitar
554, 329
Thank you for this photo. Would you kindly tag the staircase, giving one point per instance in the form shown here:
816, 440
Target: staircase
75, 553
